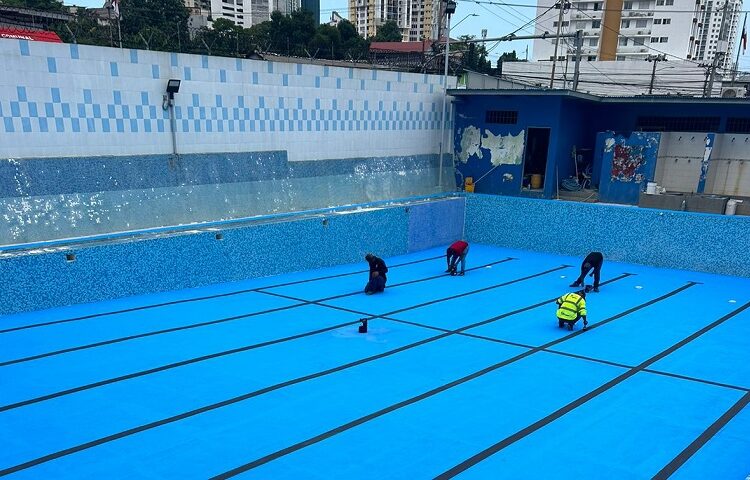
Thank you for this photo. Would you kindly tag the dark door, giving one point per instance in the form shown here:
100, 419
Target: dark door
537, 148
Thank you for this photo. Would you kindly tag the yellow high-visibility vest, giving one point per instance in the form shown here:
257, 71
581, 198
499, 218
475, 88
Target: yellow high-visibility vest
571, 306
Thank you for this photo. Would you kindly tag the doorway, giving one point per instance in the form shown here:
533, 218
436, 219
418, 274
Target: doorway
535, 159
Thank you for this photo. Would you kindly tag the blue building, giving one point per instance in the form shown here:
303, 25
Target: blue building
504, 137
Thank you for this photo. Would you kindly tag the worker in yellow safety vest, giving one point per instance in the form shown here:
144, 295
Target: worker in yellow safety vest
570, 308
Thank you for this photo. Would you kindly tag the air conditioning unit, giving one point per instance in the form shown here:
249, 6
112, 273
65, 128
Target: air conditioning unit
732, 92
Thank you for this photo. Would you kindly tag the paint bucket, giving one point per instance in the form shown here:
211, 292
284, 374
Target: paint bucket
651, 188
732, 206
536, 181
469, 184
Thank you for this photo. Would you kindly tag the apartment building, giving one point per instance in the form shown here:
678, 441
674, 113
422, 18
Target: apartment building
417, 19
634, 29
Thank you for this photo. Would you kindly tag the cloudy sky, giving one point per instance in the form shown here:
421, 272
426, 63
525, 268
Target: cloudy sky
499, 20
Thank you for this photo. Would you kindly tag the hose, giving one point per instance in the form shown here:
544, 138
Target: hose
570, 185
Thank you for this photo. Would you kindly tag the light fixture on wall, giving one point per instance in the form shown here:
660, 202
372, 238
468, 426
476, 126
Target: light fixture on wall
173, 86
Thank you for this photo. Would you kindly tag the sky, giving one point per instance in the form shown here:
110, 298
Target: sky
498, 20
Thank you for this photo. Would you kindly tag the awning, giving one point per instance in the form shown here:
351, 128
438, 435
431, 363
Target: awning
32, 35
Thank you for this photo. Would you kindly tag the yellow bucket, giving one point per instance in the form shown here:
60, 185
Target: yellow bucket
469, 184
536, 181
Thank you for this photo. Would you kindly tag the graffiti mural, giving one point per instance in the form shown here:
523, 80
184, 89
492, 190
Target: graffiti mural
627, 162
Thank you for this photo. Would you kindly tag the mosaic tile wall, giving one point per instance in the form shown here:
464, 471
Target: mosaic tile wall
87, 146
662, 238
67, 100
45, 279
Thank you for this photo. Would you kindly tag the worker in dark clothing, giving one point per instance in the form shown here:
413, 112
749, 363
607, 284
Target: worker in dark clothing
457, 251
571, 307
378, 269
593, 261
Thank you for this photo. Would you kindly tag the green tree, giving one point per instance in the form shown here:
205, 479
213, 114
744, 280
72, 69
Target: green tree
45, 5
326, 42
388, 32
353, 46
162, 23
86, 30
508, 57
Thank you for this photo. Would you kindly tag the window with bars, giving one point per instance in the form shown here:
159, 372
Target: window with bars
678, 124
738, 125
506, 117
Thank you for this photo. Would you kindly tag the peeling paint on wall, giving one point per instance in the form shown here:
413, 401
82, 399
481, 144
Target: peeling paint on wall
471, 143
628, 159
504, 150
501, 149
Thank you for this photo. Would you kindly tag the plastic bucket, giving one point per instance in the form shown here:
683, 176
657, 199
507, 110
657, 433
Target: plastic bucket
536, 181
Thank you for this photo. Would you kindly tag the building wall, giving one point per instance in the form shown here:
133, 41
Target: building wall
253, 138
195, 259
640, 30
679, 163
691, 241
490, 149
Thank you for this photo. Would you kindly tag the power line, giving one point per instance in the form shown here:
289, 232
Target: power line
522, 5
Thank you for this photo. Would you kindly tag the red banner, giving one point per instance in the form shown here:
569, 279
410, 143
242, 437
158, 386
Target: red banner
34, 36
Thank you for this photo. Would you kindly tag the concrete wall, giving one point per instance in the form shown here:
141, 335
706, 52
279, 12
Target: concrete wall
679, 164
44, 278
691, 241
253, 137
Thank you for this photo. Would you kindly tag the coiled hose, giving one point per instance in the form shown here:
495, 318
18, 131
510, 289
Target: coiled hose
570, 185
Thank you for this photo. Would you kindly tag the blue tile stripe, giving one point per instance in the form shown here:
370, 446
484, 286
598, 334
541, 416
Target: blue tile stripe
250, 114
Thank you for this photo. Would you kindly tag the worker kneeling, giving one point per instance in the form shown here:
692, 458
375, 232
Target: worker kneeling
570, 308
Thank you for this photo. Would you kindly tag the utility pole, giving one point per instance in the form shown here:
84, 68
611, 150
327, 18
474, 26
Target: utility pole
450, 9
577, 71
739, 48
721, 48
655, 59
562, 5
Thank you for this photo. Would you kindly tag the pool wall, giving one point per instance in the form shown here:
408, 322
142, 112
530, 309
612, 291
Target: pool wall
90, 147
661, 238
45, 278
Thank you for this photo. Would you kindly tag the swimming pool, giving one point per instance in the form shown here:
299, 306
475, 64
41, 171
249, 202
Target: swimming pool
457, 376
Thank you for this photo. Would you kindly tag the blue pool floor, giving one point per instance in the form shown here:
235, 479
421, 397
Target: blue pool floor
464, 377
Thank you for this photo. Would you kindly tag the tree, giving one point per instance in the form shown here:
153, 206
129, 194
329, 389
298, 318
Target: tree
388, 32
327, 41
353, 46
222, 38
45, 5
86, 30
508, 57
144, 18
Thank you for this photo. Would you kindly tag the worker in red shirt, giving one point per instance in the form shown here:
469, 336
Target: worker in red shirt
457, 251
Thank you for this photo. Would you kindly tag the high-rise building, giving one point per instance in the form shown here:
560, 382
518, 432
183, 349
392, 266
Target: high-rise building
634, 29
416, 19
247, 13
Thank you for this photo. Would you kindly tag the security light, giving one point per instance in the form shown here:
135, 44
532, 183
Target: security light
173, 86
450, 7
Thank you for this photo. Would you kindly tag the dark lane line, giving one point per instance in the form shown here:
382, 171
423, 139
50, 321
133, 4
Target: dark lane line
511, 439
702, 439
431, 302
197, 299
348, 426
227, 402
207, 323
